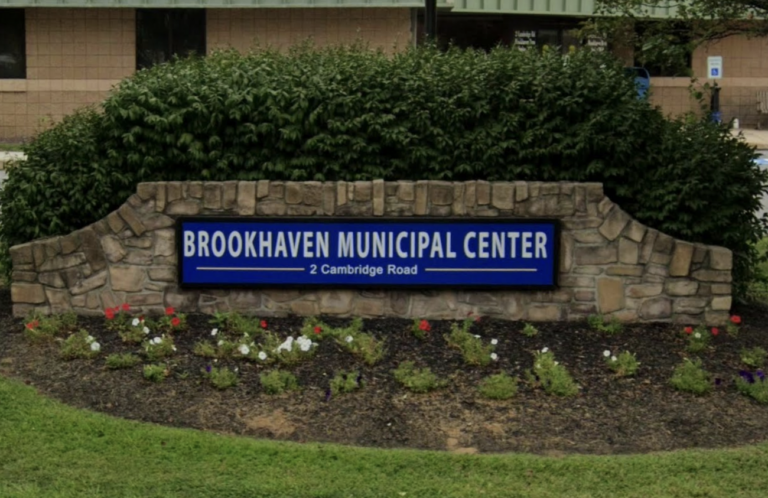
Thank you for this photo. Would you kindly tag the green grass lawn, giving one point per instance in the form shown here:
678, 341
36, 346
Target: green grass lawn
51, 450
10, 147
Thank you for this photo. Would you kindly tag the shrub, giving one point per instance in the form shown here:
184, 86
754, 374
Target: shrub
529, 330
624, 365
155, 373
222, 378
41, 329
288, 352
346, 382
80, 345
365, 346
471, 346
698, 339
353, 114
691, 377
550, 375
238, 325
418, 380
159, 347
754, 357
753, 385
420, 328
597, 322
499, 386
278, 382
117, 361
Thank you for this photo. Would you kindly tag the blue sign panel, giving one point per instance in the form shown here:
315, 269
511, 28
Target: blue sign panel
328, 252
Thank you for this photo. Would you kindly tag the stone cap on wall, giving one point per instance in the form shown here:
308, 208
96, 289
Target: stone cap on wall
609, 263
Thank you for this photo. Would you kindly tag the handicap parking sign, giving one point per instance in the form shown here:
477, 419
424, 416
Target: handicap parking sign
715, 67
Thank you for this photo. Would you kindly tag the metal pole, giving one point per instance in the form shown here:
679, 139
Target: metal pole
430, 20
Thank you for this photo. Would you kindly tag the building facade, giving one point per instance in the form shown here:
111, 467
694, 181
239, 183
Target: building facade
58, 55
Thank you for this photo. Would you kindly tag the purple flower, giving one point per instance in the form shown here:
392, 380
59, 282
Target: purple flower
208, 368
760, 375
359, 379
328, 394
718, 381
747, 376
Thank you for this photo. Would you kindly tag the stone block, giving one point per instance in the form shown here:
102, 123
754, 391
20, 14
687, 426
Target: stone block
594, 192
51, 279
22, 254
588, 236
625, 271
140, 243
721, 289
659, 258
173, 191
58, 300
646, 249
550, 188
503, 195
458, 207
162, 273
596, 255
113, 249
160, 197
27, 293
624, 316
664, 244
70, 243
141, 257
545, 313
329, 198
483, 193
644, 290
635, 231
23, 276
604, 207
305, 308
133, 220
145, 299
720, 258
699, 253
336, 302
156, 221
689, 305
681, 287
573, 281
582, 223
610, 294
294, 210
146, 191
378, 197
405, 191
312, 194
614, 223
681, 259
557, 296
521, 191
363, 191
566, 252
470, 194
246, 198
656, 308
181, 300
422, 197
165, 242
721, 303
584, 295
293, 194
534, 189
629, 251
183, 208
127, 278
62, 262
440, 193
212, 195
368, 308
271, 208
716, 318
195, 190
229, 195
262, 189
712, 276
276, 190
579, 311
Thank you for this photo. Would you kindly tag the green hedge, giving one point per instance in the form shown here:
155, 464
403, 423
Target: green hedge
353, 114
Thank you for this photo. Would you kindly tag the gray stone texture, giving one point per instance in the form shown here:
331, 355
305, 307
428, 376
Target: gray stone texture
609, 263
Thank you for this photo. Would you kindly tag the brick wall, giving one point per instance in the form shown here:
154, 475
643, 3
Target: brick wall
74, 56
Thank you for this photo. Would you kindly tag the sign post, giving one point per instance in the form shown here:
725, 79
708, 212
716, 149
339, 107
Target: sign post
715, 67
344, 252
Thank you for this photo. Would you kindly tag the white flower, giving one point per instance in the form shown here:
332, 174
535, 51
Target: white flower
236, 369
613, 358
135, 322
557, 363
146, 330
95, 346
220, 343
494, 341
477, 336
89, 339
538, 365
304, 343
286, 346
544, 350
174, 348
606, 353
262, 355
157, 340
243, 349
494, 356
214, 332
349, 338
697, 335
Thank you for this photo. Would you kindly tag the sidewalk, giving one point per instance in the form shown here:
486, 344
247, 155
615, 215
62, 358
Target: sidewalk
756, 138
7, 157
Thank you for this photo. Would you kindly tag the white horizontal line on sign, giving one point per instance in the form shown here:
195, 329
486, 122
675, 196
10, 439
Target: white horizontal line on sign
526, 270
216, 268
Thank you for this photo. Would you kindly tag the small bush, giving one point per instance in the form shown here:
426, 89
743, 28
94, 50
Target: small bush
754, 357
288, 352
365, 346
39, 329
346, 382
698, 339
118, 361
156, 373
80, 345
550, 375
133, 330
499, 386
222, 378
205, 349
278, 382
624, 365
418, 380
753, 385
529, 330
170, 323
237, 325
420, 329
691, 377
159, 347
471, 346
597, 322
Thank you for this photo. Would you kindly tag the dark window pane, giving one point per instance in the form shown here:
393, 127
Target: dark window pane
13, 62
162, 34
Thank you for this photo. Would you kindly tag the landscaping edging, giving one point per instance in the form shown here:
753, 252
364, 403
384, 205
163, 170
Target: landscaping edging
609, 263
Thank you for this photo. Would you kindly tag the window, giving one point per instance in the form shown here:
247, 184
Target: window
162, 34
13, 62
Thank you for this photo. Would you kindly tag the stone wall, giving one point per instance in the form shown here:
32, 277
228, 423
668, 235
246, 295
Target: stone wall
609, 263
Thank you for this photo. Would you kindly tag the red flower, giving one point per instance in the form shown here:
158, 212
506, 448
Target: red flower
263, 324
175, 321
141, 318
425, 326
318, 330
169, 310
31, 325
735, 319
477, 319
715, 331
126, 307
688, 330
110, 313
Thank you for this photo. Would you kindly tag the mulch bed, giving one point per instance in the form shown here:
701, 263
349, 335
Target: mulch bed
609, 416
